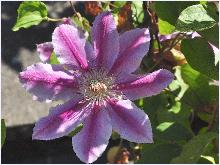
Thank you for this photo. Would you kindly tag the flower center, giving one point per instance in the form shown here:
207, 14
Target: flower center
95, 85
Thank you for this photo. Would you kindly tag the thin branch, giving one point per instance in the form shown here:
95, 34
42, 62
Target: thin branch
53, 19
74, 10
165, 49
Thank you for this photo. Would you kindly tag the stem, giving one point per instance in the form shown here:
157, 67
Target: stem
176, 40
52, 19
74, 10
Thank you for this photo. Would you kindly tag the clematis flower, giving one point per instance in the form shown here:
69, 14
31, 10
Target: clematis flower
97, 80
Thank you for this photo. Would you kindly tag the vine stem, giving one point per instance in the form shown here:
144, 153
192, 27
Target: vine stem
176, 40
52, 19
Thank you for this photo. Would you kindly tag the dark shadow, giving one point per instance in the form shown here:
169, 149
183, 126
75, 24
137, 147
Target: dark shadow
20, 148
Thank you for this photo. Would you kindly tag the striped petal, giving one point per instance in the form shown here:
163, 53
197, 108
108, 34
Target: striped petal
93, 139
105, 40
61, 120
134, 45
69, 46
48, 82
145, 85
130, 121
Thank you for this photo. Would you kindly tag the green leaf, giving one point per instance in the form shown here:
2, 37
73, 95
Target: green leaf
168, 13
178, 113
30, 13
194, 148
3, 132
53, 59
200, 56
211, 35
165, 27
199, 88
137, 12
172, 132
151, 106
159, 153
76, 130
81, 22
194, 18
212, 10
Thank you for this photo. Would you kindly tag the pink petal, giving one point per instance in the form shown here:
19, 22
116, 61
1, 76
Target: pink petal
45, 50
61, 120
146, 85
130, 121
134, 45
69, 46
92, 140
105, 40
48, 82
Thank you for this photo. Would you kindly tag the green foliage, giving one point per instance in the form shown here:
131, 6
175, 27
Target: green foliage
194, 18
3, 132
172, 132
30, 13
168, 13
194, 148
165, 27
76, 130
159, 153
200, 92
81, 22
53, 59
211, 35
200, 56
137, 12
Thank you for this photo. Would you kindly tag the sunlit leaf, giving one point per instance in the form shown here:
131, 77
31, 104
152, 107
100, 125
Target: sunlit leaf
53, 59
194, 18
137, 12
30, 13
168, 13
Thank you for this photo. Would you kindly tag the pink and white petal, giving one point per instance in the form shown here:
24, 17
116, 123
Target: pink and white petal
134, 45
48, 82
92, 140
130, 121
61, 120
146, 85
105, 40
69, 46
45, 50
